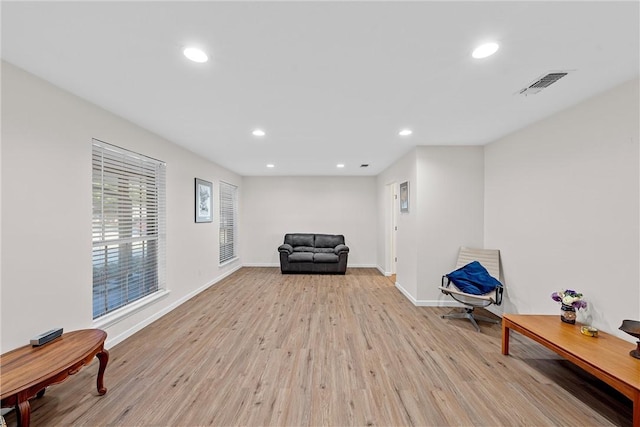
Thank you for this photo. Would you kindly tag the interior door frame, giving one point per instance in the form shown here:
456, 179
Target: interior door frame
392, 228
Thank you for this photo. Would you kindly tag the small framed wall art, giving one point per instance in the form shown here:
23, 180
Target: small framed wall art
204, 201
404, 197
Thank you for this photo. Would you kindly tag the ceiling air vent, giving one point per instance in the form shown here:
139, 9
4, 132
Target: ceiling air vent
543, 82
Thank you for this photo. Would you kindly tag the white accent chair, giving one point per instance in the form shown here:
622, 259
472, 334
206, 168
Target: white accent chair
490, 260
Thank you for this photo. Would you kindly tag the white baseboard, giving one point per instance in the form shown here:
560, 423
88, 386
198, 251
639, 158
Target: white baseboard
427, 303
269, 264
155, 316
442, 303
384, 273
261, 264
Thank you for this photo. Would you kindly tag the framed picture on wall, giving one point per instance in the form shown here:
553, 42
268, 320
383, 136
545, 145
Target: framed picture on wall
204, 201
404, 197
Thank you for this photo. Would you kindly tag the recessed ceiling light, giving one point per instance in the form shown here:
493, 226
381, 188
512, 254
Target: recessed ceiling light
339, 165
195, 54
258, 132
405, 132
485, 50
271, 165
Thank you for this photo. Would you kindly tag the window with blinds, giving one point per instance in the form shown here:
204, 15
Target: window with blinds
128, 227
228, 213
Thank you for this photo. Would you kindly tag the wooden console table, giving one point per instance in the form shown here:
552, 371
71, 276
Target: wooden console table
606, 357
26, 371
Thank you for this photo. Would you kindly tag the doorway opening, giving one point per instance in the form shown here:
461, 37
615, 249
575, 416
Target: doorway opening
392, 230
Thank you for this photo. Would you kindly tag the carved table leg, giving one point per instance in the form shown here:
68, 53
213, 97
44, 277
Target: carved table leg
23, 413
103, 356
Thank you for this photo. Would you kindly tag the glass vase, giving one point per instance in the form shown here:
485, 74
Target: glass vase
568, 314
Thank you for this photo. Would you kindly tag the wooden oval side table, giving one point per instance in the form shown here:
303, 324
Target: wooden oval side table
26, 371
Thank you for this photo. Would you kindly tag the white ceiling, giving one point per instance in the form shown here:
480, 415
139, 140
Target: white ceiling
330, 82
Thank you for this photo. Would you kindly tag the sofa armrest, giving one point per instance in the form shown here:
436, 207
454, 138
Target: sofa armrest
285, 248
341, 248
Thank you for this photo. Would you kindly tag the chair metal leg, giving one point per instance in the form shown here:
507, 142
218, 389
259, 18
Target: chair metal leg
486, 319
468, 314
473, 322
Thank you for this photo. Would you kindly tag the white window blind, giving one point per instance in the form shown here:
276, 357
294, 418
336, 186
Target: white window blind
228, 213
128, 227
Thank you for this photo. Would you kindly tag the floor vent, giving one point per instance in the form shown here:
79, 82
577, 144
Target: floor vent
542, 82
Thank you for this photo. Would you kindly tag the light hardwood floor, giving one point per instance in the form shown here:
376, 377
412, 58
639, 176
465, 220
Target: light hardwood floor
260, 348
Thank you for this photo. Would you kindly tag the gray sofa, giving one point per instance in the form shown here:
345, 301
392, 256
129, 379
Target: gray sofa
313, 253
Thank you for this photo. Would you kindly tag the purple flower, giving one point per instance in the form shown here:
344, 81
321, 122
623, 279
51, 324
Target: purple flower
569, 297
580, 304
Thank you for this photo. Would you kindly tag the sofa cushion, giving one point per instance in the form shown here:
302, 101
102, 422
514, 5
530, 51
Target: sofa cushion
301, 257
303, 249
323, 250
321, 257
299, 239
329, 240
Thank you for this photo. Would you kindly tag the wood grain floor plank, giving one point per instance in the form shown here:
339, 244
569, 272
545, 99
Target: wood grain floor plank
265, 349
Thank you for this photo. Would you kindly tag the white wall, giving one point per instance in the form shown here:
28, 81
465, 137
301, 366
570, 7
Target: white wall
46, 211
450, 198
562, 203
274, 206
